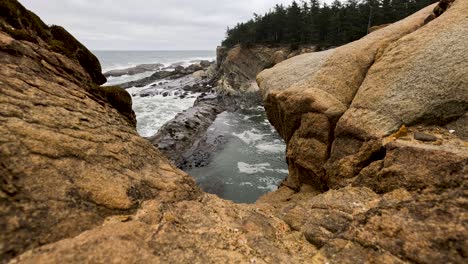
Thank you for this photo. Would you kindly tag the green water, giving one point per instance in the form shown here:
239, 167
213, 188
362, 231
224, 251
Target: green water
250, 163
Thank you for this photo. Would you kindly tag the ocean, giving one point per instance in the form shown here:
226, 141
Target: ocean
252, 160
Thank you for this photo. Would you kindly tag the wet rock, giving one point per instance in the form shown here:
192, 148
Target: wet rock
205, 63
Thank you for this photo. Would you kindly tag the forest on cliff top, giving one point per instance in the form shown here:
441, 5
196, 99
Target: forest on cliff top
312, 22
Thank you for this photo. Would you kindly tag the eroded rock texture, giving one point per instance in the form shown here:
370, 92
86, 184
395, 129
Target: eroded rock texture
78, 184
352, 118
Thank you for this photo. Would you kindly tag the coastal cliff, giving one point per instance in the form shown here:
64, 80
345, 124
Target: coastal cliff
238, 66
377, 153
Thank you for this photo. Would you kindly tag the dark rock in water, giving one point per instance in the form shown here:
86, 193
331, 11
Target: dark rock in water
424, 137
179, 69
183, 139
178, 72
165, 94
205, 63
148, 80
193, 68
145, 95
180, 137
134, 70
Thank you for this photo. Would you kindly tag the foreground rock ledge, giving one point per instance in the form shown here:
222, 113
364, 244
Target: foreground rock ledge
79, 185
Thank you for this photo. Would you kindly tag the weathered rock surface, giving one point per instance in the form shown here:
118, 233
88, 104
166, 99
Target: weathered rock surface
342, 113
239, 66
78, 184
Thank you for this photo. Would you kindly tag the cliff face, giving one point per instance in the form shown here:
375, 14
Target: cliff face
239, 65
79, 185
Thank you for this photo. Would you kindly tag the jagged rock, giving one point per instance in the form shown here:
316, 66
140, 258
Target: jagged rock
326, 83
205, 63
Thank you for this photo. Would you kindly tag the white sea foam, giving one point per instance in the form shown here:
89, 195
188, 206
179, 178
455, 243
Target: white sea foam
257, 168
269, 183
253, 168
154, 111
128, 78
271, 147
250, 136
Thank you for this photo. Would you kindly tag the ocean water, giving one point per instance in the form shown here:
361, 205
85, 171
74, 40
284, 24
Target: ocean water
111, 60
251, 161
154, 111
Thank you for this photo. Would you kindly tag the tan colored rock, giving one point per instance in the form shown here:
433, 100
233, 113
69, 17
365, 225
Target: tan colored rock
208, 230
419, 79
324, 83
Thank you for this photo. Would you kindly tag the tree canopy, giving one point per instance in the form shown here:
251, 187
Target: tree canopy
310, 22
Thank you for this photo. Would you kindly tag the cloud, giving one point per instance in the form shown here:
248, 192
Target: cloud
148, 25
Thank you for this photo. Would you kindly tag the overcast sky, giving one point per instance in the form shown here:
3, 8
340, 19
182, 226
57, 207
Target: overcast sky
148, 24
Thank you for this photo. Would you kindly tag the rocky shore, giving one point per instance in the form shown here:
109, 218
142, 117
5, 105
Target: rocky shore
134, 70
376, 148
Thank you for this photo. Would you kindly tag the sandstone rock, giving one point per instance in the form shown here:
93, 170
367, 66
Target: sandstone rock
324, 83
342, 112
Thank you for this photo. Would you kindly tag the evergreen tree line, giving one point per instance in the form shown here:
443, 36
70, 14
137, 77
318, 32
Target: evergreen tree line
310, 22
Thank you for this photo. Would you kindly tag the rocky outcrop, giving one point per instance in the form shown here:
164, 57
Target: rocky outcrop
142, 68
176, 73
79, 185
239, 65
353, 117
179, 138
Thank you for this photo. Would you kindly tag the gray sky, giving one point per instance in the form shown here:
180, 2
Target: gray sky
148, 24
